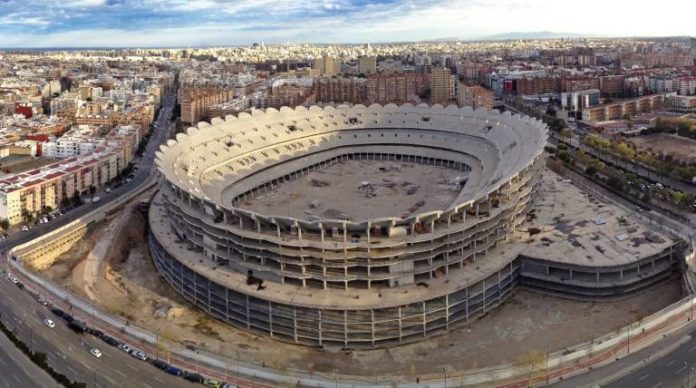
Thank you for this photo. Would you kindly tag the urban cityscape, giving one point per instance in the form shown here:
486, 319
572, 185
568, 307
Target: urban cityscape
347, 194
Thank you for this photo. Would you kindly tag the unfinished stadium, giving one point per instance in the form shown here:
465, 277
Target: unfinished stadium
362, 227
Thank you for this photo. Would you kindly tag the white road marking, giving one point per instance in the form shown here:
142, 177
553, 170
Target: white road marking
658, 384
72, 371
5, 382
670, 363
644, 377
2, 362
121, 373
158, 380
692, 349
680, 370
132, 367
147, 385
16, 378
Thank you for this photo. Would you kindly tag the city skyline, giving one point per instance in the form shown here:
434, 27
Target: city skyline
175, 23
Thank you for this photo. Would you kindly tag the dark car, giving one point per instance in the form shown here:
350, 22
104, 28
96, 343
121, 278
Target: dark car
172, 370
58, 312
68, 318
159, 364
20, 285
77, 326
95, 332
110, 341
193, 377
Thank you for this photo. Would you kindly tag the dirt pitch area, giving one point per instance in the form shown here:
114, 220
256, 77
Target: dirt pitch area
681, 148
127, 284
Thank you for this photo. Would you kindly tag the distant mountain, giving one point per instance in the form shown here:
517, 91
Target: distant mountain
530, 35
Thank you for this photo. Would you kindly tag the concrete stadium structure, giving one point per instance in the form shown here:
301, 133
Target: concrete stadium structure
357, 282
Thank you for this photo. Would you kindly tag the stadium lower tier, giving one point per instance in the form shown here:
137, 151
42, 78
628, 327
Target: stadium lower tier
360, 319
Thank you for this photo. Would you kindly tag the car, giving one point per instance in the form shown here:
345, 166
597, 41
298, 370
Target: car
49, 323
108, 190
159, 364
24, 228
229, 385
212, 383
96, 333
172, 370
124, 347
193, 377
110, 341
20, 285
58, 312
95, 352
68, 318
42, 301
139, 354
13, 279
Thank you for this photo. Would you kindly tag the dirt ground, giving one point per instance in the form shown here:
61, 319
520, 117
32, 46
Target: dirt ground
129, 285
681, 148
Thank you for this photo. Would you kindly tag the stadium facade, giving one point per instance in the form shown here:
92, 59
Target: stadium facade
350, 283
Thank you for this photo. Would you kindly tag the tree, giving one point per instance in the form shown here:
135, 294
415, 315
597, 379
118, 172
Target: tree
565, 157
591, 170
4, 224
566, 134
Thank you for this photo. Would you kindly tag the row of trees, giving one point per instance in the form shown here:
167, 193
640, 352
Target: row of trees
626, 152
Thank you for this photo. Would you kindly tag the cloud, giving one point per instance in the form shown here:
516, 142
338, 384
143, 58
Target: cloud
222, 22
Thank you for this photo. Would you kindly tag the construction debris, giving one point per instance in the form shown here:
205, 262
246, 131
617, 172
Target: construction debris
320, 183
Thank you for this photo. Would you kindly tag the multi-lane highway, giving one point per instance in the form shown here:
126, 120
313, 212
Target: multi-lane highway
69, 352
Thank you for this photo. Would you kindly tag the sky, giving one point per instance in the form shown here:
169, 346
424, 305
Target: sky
180, 23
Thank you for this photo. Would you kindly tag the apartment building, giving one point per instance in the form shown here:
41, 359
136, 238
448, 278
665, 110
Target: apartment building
474, 96
367, 65
397, 87
442, 86
195, 101
617, 110
353, 90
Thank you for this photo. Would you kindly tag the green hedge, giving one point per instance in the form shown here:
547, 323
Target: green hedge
41, 360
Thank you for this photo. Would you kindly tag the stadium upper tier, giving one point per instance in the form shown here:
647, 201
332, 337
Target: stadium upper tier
223, 162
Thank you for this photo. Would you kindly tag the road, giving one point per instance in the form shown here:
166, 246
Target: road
676, 369
16, 369
68, 352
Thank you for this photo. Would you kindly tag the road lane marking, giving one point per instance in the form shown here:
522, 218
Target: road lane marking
6, 383
644, 377
671, 362
692, 349
16, 378
158, 380
658, 384
2, 362
680, 370
121, 373
72, 371
147, 385
132, 367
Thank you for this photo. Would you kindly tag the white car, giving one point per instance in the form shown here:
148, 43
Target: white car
125, 348
49, 323
25, 228
13, 279
95, 352
140, 355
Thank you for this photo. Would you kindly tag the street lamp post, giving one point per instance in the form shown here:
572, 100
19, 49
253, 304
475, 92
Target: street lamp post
444, 369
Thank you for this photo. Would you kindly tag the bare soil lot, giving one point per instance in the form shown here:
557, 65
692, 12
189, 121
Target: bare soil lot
681, 148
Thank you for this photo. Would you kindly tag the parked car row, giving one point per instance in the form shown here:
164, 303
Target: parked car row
81, 328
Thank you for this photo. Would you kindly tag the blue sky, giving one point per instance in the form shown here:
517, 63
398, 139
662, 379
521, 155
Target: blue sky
128, 23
